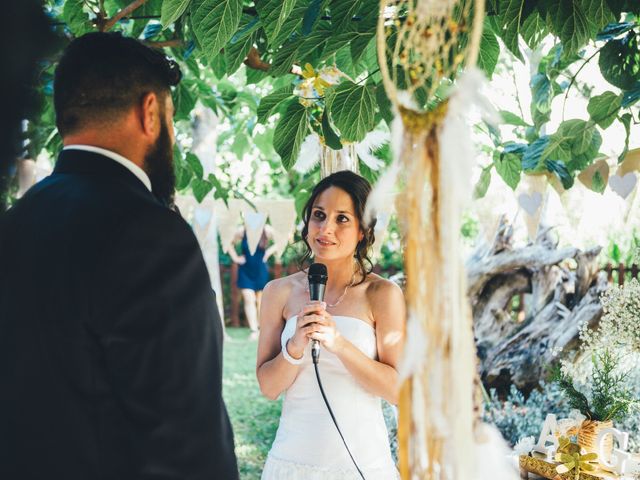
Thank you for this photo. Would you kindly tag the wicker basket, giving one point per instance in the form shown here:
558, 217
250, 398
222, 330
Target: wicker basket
588, 437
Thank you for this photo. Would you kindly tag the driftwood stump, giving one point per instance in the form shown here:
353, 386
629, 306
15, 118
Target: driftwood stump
561, 287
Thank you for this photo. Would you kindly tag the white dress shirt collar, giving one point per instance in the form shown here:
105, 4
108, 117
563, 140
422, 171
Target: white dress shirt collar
125, 162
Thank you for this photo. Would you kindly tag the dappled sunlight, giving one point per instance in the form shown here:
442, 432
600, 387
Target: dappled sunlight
392, 338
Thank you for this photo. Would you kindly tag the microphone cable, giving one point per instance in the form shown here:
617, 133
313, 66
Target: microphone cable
315, 353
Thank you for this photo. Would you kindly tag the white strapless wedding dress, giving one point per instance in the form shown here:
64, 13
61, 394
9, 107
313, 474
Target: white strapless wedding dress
307, 445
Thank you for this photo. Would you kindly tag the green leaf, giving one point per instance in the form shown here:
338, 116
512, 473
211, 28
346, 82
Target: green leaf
215, 22
573, 26
509, 168
560, 169
366, 28
352, 109
579, 133
384, 104
292, 24
273, 15
290, 133
182, 170
330, 138
580, 161
620, 61
311, 15
201, 188
76, 18
574, 137
240, 144
220, 191
342, 12
626, 121
489, 52
512, 119
631, 96
597, 183
532, 157
614, 30
558, 148
284, 59
218, 65
604, 108
172, 10
533, 30
598, 15
194, 163
184, 100
511, 18
235, 53
541, 95
480, 190
270, 103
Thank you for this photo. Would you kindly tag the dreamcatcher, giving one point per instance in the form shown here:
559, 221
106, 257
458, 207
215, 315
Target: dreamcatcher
422, 46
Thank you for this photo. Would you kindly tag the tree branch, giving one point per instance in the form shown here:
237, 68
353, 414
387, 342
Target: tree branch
176, 42
121, 14
254, 61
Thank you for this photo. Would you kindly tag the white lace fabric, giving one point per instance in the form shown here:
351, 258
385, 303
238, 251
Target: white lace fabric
307, 445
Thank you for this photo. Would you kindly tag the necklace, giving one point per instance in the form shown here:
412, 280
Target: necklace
341, 297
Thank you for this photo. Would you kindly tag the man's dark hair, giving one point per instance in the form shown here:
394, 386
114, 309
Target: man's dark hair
101, 75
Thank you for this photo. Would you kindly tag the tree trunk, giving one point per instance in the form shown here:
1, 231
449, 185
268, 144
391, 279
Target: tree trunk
559, 299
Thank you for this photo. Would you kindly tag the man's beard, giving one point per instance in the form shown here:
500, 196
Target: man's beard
158, 164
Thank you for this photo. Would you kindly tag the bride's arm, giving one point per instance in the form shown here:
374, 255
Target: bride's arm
275, 374
379, 377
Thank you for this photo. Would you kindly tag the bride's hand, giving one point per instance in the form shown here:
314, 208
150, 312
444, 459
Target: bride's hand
324, 329
305, 324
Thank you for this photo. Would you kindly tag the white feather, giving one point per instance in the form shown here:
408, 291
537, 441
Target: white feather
381, 198
415, 349
492, 455
405, 98
309, 154
372, 142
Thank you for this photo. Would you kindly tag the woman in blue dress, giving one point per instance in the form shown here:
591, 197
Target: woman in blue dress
253, 275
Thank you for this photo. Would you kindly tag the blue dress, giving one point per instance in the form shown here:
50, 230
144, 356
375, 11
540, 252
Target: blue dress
253, 274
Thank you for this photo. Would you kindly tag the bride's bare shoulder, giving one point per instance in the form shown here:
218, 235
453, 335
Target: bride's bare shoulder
285, 286
380, 290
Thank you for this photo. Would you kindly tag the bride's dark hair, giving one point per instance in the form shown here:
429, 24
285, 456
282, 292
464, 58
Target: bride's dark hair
358, 188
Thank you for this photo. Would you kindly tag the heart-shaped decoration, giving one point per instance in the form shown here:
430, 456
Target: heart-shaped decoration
202, 216
530, 203
623, 185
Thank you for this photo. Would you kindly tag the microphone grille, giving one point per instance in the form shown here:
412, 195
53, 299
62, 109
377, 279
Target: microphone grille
318, 269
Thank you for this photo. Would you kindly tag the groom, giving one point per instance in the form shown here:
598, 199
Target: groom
110, 341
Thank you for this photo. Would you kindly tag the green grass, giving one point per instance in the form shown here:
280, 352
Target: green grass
254, 418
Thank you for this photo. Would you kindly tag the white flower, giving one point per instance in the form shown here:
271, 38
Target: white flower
524, 445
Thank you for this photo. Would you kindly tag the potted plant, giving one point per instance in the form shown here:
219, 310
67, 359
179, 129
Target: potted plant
608, 398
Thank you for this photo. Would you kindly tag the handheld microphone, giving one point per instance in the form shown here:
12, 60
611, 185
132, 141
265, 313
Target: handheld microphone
317, 284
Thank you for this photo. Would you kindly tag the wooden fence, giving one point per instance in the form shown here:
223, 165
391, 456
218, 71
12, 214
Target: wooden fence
233, 300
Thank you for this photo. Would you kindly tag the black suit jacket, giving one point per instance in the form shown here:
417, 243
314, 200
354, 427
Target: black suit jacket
110, 339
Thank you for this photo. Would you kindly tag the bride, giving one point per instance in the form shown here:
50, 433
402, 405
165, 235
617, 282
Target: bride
360, 329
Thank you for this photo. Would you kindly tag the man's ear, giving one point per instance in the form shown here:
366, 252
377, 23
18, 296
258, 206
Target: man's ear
150, 116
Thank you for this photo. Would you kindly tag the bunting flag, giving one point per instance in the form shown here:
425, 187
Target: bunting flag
282, 218
532, 200
254, 223
596, 176
228, 219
